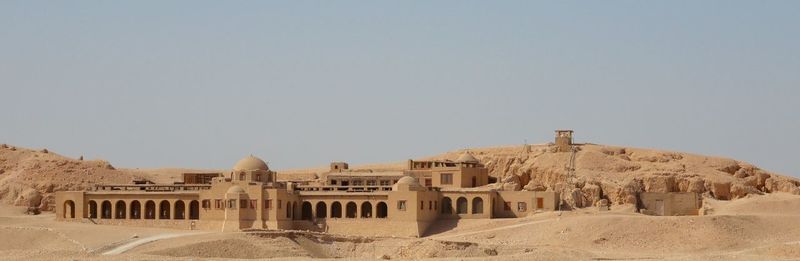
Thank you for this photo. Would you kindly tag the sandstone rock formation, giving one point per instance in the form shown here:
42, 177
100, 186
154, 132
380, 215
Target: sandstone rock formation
618, 174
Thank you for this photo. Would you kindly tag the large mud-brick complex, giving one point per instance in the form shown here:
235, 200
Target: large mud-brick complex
402, 203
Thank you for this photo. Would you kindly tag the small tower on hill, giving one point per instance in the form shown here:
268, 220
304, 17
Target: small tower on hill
564, 140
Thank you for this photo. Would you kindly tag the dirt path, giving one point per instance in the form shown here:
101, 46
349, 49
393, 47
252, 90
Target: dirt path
133, 244
492, 229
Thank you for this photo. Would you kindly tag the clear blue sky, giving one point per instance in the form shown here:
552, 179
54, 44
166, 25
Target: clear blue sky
301, 83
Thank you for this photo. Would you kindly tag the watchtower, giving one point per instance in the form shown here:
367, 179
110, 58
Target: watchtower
339, 166
564, 140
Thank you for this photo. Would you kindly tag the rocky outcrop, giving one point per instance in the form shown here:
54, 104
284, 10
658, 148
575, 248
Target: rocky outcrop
619, 174
30, 178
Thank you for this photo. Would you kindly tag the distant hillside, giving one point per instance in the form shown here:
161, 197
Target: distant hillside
618, 173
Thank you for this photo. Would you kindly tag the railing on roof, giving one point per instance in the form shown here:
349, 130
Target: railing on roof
151, 187
344, 188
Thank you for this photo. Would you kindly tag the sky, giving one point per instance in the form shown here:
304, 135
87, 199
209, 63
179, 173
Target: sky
202, 84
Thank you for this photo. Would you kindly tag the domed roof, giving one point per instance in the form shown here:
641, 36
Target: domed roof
407, 180
236, 190
407, 183
468, 158
250, 163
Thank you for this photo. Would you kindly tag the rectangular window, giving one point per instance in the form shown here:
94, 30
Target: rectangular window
232, 204
401, 205
385, 183
243, 203
371, 182
522, 206
268, 203
422, 205
358, 182
447, 178
507, 206
430, 206
333, 182
253, 203
206, 203
217, 203
258, 177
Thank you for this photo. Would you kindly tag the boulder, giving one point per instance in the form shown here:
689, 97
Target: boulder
28, 197
591, 194
660, 184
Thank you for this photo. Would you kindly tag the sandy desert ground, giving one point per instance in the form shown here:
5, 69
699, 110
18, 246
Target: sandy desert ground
754, 228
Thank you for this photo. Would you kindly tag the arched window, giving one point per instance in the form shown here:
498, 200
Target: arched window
92, 209
336, 210
163, 210
352, 210
447, 206
366, 210
180, 209
461, 205
149, 210
306, 211
477, 206
105, 210
194, 209
120, 206
289, 209
322, 210
136, 210
69, 209
382, 210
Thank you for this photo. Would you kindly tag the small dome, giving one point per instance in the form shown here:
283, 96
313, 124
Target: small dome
236, 190
407, 180
250, 163
467, 158
407, 183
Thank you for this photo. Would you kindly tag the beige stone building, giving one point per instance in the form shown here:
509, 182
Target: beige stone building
402, 203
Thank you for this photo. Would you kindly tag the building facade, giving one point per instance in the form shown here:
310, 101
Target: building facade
402, 203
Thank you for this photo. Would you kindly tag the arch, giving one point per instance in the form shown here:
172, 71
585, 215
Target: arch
180, 209
294, 210
150, 210
336, 209
92, 209
289, 209
351, 210
306, 215
136, 210
105, 210
120, 209
447, 205
381, 210
461, 205
477, 205
69, 209
194, 210
163, 210
366, 209
322, 210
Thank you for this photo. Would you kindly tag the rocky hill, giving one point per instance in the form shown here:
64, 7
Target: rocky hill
30, 178
596, 172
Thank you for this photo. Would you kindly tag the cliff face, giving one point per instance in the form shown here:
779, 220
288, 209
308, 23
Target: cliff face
30, 178
617, 174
